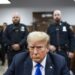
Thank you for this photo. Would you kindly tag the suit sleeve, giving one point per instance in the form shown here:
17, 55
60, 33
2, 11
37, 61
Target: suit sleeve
64, 69
17, 65
11, 69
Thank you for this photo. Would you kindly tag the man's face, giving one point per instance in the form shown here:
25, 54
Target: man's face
57, 16
38, 50
16, 19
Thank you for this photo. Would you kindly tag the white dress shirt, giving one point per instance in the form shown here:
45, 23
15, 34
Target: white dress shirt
42, 68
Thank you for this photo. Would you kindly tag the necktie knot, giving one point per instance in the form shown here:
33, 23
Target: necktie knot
38, 65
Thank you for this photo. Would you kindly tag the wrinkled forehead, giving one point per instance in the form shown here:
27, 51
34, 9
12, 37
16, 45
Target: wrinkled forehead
37, 43
16, 15
39, 40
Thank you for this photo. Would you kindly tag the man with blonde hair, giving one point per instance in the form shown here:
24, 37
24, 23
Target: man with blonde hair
38, 60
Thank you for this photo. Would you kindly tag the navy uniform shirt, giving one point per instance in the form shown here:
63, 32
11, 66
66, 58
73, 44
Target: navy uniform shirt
15, 34
61, 35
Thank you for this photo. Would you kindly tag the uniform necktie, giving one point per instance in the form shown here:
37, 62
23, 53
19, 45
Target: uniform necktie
58, 38
38, 71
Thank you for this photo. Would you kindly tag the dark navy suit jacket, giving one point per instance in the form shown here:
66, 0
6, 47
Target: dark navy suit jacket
22, 65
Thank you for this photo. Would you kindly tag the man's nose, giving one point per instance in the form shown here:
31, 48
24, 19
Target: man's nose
35, 50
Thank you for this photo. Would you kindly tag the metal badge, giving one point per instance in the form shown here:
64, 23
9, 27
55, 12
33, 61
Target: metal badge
22, 28
64, 29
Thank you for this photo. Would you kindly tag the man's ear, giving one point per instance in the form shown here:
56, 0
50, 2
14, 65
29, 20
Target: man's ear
48, 47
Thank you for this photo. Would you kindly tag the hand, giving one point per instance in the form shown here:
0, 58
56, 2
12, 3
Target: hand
52, 48
16, 47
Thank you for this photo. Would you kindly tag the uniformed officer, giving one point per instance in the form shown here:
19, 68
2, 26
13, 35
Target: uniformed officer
15, 37
62, 37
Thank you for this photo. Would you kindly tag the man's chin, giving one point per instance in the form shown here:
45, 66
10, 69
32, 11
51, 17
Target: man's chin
16, 22
57, 20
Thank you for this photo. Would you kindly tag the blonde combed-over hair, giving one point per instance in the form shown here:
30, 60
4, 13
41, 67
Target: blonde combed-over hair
38, 36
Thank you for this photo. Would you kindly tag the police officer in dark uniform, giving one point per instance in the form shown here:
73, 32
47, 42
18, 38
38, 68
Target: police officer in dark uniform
15, 37
62, 37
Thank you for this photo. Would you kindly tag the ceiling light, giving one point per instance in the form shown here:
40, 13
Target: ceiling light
74, 0
5, 2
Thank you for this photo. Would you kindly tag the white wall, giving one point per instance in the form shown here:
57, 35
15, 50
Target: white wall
7, 13
68, 14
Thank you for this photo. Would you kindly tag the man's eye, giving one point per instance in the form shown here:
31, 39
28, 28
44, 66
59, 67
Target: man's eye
39, 47
32, 47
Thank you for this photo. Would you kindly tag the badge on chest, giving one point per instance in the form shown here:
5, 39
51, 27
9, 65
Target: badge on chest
22, 28
64, 29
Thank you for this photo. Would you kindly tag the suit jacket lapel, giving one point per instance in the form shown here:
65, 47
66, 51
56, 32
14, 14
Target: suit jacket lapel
50, 67
28, 66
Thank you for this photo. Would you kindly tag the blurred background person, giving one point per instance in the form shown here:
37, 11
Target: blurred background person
4, 26
2, 51
4, 44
